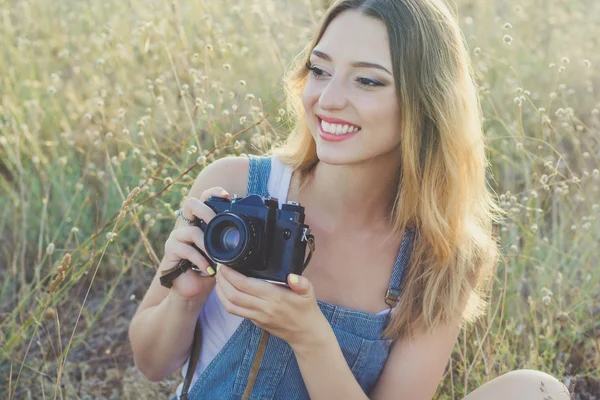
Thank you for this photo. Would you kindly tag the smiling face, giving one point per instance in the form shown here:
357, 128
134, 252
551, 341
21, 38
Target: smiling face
351, 80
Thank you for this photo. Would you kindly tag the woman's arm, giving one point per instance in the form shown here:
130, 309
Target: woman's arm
412, 371
162, 329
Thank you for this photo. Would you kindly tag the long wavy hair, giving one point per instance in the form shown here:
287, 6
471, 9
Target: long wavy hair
442, 189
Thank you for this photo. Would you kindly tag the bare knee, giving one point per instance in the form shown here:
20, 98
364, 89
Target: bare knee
523, 384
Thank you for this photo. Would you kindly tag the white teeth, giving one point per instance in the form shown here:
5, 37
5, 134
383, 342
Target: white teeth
337, 129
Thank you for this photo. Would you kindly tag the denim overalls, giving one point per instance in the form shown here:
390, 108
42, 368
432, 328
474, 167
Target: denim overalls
358, 334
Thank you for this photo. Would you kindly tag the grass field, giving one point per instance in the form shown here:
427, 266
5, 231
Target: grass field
109, 110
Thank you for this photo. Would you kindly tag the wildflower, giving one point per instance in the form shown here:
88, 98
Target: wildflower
111, 235
560, 113
209, 47
242, 82
546, 300
227, 135
249, 96
562, 317
534, 228
477, 51
237, 145
168, 181
587, 63
201, 160
227, 67
507, 25
507, 39
50, 248
243, 120
61, 272
561, 68
565, 60
160, 100
132, 297
518, 101
596, 173
108, 135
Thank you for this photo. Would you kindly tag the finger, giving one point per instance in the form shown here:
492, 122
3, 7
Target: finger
194, 208
190, 234
252, 286
233, 308
187, 252
300, 285
238, 297
214, 191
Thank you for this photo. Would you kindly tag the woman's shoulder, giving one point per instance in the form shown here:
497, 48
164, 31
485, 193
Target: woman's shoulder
230, 173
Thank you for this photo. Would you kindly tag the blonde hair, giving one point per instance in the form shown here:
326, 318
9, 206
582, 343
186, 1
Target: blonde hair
442, 190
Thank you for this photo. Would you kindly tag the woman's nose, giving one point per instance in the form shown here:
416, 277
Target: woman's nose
333, 96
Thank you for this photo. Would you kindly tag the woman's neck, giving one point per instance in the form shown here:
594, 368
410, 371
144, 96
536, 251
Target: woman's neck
351, 196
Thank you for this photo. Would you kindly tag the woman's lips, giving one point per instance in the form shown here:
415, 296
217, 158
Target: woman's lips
330, 137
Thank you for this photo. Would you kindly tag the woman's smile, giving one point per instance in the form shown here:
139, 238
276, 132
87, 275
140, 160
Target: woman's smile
336, 132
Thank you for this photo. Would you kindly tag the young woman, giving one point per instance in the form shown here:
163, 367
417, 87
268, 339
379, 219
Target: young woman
388, 159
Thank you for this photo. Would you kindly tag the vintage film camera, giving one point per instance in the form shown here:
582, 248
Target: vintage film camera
257, 238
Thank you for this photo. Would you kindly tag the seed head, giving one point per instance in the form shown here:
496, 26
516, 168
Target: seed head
50, 248
507, 25
565, 60
546, 300
507, 39
587, 63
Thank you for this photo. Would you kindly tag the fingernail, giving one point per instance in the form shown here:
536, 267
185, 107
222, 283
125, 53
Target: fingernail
224, 193
294, 278
210, 271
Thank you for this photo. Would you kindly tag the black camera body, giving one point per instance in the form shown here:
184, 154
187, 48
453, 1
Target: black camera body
256, 237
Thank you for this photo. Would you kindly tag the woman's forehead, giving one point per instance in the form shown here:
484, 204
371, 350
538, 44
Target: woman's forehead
352, 36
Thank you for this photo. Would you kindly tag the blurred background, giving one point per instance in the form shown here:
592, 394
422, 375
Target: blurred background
110, 109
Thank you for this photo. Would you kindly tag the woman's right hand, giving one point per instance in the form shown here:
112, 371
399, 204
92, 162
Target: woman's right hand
179, 246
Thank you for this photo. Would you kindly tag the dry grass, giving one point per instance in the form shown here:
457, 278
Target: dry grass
108, 110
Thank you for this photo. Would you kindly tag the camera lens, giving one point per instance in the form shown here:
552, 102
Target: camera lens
231, 239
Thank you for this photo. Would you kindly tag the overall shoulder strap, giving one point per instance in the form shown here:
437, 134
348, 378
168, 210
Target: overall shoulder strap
393, 293
258, 175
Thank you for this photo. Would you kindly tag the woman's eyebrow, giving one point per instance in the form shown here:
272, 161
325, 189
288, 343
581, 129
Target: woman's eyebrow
356, 64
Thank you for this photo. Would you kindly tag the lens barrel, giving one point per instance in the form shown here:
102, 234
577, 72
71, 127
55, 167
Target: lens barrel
231, 239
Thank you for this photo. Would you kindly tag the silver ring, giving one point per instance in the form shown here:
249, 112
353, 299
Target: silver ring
184, 219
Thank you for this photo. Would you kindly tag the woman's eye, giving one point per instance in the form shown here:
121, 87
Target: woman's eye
362, 82
366, 82
314, 71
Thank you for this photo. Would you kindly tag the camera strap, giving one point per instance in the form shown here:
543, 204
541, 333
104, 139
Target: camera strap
264, 338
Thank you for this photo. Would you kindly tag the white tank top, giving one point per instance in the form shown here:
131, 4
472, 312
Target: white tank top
216, 323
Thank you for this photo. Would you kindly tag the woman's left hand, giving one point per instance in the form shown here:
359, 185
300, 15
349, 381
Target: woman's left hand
292, 315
